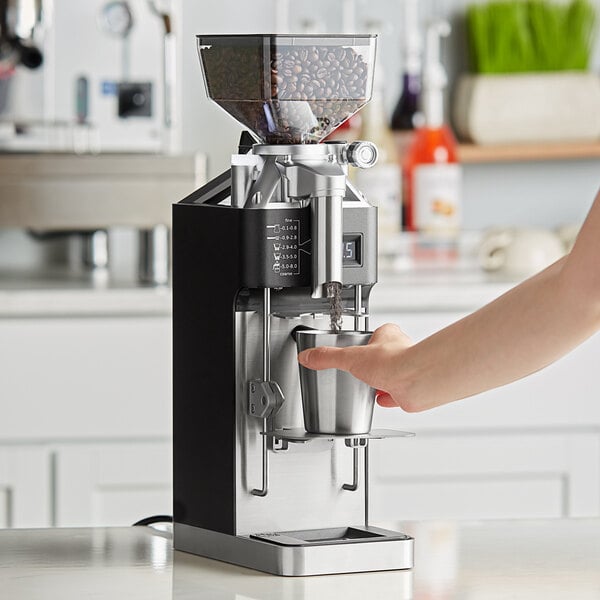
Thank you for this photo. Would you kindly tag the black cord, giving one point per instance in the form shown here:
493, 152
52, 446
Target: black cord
152, 520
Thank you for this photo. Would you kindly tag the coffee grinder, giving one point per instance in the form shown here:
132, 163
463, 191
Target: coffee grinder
267, 247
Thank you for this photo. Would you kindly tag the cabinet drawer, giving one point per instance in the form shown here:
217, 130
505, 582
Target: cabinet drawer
480, 498
112, 484
85, 378
496, 475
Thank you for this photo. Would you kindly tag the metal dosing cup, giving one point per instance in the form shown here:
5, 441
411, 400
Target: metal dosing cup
333, 401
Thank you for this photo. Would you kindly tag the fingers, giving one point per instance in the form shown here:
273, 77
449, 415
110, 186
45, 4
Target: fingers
326, 358
389, 333
339, 358
384, 399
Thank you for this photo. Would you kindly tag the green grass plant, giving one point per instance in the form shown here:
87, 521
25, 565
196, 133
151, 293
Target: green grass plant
515, 36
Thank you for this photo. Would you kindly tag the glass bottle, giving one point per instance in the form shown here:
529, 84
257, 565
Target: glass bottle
382, 183
432, 175
405, 114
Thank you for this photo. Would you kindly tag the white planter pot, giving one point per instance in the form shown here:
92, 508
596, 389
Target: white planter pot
528, 107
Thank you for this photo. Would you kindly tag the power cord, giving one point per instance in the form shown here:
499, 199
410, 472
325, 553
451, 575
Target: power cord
151, 520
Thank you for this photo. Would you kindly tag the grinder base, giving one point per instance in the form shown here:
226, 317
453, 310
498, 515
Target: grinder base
301, 553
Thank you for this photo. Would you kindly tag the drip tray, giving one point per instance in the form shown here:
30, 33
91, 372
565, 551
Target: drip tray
334, 535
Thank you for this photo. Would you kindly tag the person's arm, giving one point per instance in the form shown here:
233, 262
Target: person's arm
521, 332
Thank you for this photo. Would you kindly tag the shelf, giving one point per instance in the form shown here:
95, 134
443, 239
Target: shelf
474, 154
301, 436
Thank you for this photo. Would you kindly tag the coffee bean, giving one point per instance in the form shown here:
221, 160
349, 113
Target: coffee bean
321, 73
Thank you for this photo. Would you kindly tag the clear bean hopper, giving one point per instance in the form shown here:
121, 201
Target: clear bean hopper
288, 89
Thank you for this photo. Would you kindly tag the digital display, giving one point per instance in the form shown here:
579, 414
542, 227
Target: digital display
351, 252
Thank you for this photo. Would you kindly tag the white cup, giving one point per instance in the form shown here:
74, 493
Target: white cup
519, 253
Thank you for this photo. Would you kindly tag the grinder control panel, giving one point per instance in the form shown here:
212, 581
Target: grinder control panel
283, 239
276, 248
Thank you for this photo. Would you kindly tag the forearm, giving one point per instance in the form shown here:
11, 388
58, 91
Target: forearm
521, 332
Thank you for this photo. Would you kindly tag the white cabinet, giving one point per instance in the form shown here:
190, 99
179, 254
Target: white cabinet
25, 486
112, 484
65, 378
86, 419
500, 474
80, 485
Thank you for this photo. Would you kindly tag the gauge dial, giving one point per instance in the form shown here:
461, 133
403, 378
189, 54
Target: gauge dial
117, 18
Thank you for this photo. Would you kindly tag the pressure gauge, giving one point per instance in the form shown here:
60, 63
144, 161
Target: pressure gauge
116, 18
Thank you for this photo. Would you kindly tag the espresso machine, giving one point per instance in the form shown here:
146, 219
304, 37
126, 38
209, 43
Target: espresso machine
280, 242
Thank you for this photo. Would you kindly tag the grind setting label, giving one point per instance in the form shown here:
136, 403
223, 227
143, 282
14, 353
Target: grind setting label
284, 247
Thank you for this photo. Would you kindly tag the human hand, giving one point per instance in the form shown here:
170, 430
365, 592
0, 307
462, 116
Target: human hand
376, 363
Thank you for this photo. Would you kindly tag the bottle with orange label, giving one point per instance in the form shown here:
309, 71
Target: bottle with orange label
432, 175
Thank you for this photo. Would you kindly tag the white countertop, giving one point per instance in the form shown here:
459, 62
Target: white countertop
546, 559
56, 295
70, 302
420, 290
44, 295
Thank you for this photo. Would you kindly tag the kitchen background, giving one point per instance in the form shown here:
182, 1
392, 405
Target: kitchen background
85, 337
